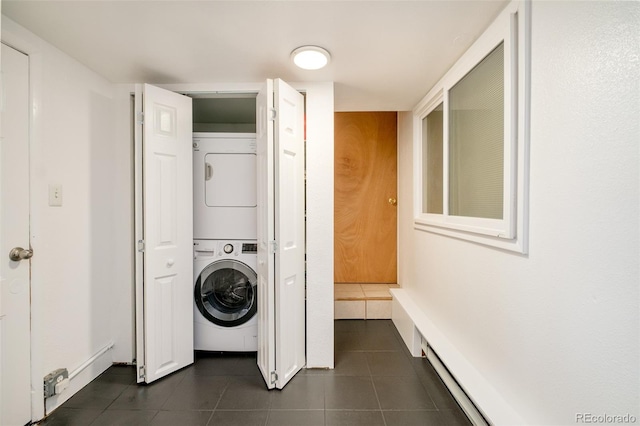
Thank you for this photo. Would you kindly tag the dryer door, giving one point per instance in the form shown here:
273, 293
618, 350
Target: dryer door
226, 293
230, 180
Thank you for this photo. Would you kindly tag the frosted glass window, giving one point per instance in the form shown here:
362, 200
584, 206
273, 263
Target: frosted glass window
476, 140
471, 140
432, 126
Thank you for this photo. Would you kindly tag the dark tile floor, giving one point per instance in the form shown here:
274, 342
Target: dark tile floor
375, 382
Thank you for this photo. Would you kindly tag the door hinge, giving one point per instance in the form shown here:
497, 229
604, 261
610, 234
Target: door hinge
274, 377
141, 117
274, 246
141, 246
274, 114
141, 372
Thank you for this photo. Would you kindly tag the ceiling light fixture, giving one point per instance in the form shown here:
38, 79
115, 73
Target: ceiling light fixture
310, 57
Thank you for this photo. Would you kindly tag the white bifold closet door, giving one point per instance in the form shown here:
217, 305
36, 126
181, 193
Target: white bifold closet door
281, 233
164, 233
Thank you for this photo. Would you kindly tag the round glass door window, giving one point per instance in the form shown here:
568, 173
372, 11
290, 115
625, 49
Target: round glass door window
226, 293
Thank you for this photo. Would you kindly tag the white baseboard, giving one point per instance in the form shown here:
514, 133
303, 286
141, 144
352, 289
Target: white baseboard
81, 376
410, 320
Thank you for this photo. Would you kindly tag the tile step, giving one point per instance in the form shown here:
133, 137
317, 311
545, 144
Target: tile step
364, 291
362, 309
336, 298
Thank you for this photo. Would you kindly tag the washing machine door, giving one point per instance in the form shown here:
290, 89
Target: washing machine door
226, 293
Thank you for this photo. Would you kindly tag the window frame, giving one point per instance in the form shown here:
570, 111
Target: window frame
512, 28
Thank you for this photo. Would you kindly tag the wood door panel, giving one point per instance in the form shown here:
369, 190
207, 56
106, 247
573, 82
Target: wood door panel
365, 180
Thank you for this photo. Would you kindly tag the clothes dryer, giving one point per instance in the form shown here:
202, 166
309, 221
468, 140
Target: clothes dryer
225, 295
224, 185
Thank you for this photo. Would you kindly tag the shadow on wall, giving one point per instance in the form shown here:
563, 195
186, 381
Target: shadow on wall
102, 219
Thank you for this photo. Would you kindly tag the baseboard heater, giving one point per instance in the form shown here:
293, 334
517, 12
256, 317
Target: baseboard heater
467, 405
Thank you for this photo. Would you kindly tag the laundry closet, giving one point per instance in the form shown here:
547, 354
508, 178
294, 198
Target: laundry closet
220, 228
225, 223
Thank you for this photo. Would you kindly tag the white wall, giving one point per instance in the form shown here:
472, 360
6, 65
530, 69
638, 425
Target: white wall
319, 175
555, 332
123, 318
72, 270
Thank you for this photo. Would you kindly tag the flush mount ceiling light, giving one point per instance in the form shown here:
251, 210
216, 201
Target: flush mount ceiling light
310, 57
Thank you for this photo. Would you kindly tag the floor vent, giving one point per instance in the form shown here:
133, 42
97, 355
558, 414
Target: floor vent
467, 405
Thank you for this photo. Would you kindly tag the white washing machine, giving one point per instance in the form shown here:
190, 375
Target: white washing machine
225, 295
224, 186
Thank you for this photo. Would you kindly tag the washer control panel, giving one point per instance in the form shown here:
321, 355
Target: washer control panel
215, 248
249, 248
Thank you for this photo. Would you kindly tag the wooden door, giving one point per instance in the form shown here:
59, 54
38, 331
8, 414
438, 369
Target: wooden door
365, 197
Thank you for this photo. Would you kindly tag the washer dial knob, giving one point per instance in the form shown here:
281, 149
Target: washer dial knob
228, 248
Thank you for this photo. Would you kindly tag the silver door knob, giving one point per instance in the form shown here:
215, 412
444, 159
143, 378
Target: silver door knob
18, 253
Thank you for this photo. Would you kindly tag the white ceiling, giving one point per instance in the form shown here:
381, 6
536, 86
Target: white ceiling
386, 55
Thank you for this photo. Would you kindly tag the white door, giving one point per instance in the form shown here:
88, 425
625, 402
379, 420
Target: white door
281, 233
164, 230
266, 234
15, 358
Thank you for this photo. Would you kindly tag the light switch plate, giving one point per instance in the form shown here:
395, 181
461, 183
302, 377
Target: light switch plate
55, 195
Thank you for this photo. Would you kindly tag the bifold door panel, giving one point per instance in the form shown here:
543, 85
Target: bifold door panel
164, 304
281, 236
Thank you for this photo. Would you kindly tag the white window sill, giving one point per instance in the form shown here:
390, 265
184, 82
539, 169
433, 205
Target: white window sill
517, 245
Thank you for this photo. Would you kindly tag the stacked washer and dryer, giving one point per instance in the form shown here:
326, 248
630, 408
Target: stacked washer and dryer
225, 249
